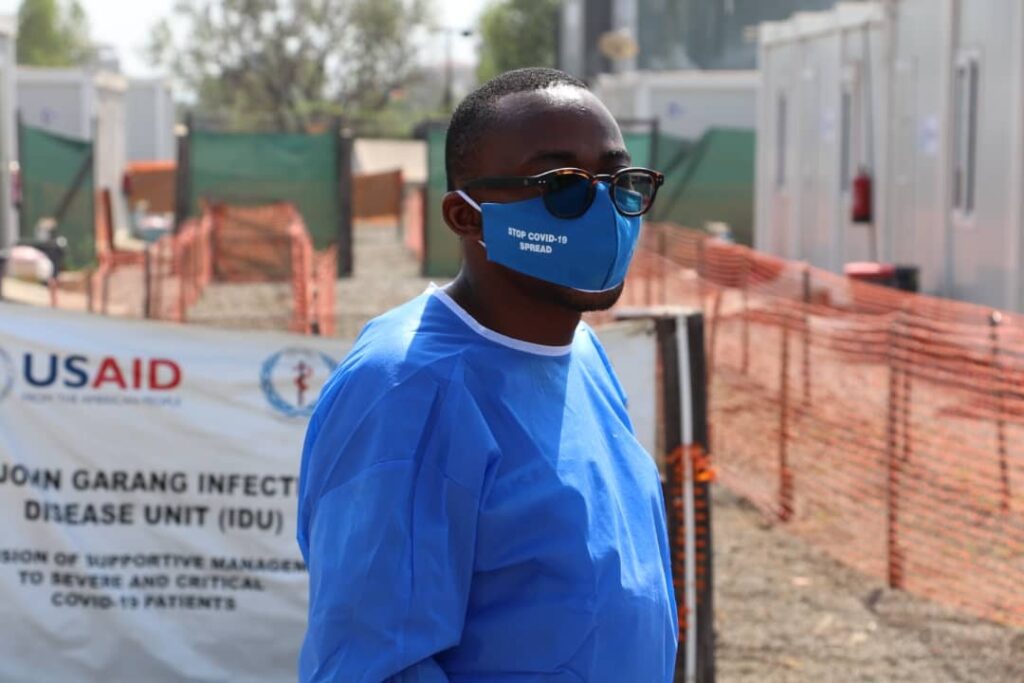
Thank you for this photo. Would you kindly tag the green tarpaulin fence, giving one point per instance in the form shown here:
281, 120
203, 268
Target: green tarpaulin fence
264, 168
712, 182
640, 147
50, 165
442, 256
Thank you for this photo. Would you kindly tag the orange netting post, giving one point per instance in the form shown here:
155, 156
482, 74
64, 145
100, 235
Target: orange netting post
677, 530
995, 320
325, 272
703, 475
205, 272
785, 502
301, 276
894, 463
178, 249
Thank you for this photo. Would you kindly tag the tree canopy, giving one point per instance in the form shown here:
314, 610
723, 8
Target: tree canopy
291, 60
53, 33
517, 33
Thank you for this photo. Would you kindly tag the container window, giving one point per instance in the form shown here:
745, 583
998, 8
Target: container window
968, 76
845, 140
780, 142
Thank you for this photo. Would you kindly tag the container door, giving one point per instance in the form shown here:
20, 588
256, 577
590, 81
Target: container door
909, 134
810, 120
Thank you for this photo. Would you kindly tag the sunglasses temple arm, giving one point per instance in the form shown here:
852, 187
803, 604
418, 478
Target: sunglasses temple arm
469, 200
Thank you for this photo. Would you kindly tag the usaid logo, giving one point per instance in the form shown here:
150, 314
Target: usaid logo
74, 378
291, 380
80, 372
6, 374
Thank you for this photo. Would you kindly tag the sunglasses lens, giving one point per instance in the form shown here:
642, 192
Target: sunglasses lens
634, 192
568, 195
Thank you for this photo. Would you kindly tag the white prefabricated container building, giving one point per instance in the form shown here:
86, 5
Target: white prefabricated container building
8, 142
85, 104
958, 117
151, 119
820, 113
685, 103
943, 81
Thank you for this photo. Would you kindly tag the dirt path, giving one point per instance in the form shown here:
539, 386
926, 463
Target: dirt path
385, 276
787, 613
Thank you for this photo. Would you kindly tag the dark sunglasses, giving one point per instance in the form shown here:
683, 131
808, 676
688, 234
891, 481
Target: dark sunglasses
569, 192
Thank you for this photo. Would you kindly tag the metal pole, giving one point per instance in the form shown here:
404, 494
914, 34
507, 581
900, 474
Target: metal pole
147, 283
662, 270
701, 477
448, 95
22, 217
182, 187
343, 165
672, 433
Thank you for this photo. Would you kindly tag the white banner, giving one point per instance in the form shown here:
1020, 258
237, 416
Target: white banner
147, 490
148, 478
632, 350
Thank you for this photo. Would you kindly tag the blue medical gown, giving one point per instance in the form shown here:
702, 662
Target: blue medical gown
474, 509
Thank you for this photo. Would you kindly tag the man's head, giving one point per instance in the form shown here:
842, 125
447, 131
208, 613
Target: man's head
524, 123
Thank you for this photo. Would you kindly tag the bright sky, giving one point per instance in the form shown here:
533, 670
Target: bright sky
126, 25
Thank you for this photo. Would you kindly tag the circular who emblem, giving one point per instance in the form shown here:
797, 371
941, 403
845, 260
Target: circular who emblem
292, 379
6, 374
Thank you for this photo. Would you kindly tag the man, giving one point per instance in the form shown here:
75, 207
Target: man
473, 503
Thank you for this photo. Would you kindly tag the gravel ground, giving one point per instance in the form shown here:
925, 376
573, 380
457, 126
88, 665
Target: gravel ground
787, 613
385, 276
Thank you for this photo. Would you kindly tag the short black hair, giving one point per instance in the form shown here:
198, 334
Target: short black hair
476, 114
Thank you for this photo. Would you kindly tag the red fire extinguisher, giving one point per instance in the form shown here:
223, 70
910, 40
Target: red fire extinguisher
860, 205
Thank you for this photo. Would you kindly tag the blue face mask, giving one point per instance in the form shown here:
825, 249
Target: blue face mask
589, 254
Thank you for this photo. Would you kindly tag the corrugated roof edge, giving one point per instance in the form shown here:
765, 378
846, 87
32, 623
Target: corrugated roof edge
843, 17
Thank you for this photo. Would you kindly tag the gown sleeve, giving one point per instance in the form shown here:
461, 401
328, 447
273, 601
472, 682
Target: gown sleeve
388, 505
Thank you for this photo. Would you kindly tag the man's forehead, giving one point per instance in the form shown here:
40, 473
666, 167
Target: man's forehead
554, 103
563, 117
555, 97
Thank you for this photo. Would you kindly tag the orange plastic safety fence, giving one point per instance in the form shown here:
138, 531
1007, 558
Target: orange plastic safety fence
234, 266
884, 427
178, 268
254, 243
325, 274
702, 475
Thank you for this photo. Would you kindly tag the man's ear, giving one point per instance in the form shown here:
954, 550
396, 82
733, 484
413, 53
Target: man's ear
463, 219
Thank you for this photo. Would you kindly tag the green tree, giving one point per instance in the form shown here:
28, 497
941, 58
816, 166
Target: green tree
291, 60
517, 33
53, 33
